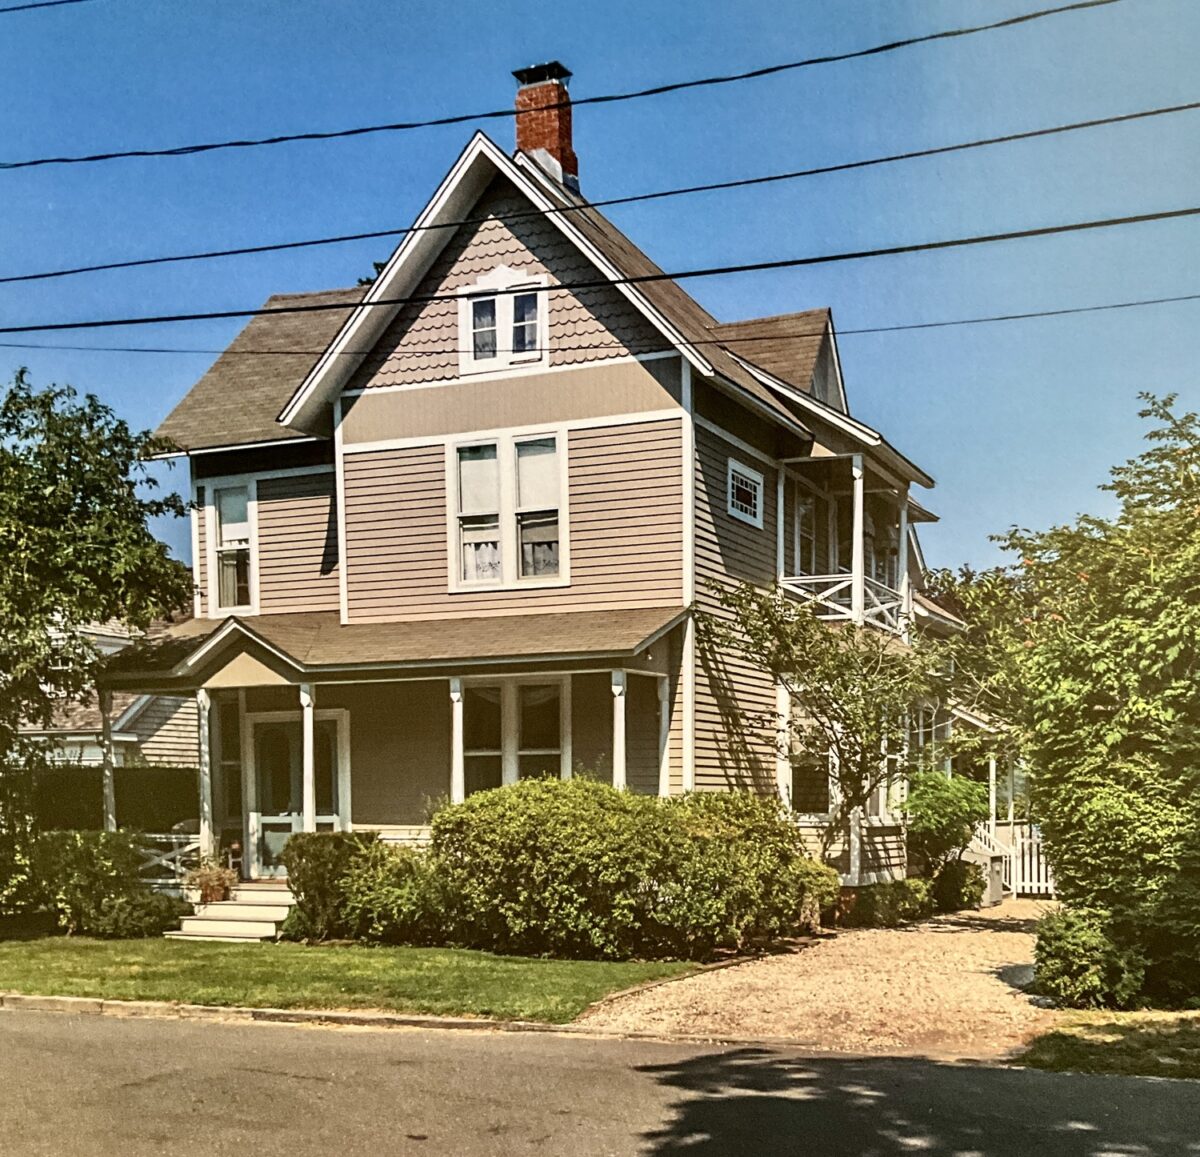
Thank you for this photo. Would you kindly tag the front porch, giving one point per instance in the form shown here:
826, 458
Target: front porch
287, 745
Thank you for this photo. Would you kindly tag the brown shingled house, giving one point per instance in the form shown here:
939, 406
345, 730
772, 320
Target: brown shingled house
449, 528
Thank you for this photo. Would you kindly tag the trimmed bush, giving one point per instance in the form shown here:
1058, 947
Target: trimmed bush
89, 881
395, 896
942, 814
317, 865
578, 869
1079, 965
958, 885
890, 904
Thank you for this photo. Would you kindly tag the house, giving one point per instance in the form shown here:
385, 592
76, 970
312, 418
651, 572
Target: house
449, 528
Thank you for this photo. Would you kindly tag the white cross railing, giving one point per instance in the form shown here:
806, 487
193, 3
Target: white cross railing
167, 857
834, 595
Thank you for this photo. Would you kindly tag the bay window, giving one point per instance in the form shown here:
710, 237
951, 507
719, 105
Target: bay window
508, 511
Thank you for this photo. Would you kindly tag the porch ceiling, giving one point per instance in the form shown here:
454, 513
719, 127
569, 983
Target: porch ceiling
319, 645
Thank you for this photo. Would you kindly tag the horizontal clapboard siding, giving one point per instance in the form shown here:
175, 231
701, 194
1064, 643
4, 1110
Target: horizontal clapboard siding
167, 731
297, 544
733, 698
625, 529
200, 562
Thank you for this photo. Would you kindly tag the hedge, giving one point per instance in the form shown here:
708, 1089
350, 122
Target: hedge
574, 869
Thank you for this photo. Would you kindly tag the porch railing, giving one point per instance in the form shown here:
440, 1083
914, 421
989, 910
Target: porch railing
167, 858
1026, 869
834, 595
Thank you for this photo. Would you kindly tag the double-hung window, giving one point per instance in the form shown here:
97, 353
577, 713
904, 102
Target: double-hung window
232, 505
502, 322
515, 730
508, 517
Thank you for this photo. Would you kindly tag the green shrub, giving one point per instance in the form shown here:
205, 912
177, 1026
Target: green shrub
958, 885
317, 865
1079, 965
90, 882
889, 904
942, 814
578, 869
138, 915
395, 896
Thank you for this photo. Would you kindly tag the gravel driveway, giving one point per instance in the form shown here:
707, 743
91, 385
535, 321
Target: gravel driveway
945, 988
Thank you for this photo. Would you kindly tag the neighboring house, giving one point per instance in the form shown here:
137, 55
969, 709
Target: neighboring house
145, 729
453, 539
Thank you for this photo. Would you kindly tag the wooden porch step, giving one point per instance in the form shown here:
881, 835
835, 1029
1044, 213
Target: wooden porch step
241, 929
255, 911
275, 911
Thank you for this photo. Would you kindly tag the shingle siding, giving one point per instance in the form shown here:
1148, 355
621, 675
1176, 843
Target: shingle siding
421, 344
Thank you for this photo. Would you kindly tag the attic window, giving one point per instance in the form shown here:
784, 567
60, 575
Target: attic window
745, 493
502, 322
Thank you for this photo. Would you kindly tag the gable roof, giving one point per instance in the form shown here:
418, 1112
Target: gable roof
681, 320
786, 345
236, 401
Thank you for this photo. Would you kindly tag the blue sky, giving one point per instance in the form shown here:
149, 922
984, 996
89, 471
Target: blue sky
1018, 421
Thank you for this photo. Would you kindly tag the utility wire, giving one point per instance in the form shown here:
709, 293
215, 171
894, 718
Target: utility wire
633, 198
40, 4
640, 279
430, 351
607, 98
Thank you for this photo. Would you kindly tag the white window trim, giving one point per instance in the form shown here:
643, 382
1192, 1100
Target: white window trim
834, 797
503, 284
510, 722
211, 486
757, 478
506, 457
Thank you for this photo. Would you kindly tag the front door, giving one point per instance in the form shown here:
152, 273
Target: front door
275, 785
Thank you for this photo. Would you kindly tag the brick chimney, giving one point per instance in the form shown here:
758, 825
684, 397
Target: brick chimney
544, 130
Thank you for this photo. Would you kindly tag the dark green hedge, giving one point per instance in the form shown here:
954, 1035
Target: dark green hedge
70, 797
573, 869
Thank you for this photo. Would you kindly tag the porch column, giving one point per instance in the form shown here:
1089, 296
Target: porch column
783, 739
855, 849
1012, 789
780, 503
664, 735
857, 554
207, 835
307, 760
618, 745
458, 776
992, 794
106, 760
902, 582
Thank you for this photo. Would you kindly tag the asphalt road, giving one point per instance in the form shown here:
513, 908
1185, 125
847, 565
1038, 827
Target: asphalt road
99, 1086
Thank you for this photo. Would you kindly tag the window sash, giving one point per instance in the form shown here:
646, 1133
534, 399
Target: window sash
745, 493
525, 323
484, 328
508, 518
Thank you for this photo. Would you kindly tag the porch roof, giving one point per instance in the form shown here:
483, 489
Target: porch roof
318, 644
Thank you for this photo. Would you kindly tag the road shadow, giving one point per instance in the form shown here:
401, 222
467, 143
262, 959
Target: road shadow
756, 1101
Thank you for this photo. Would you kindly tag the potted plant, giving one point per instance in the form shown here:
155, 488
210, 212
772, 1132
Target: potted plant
211, 880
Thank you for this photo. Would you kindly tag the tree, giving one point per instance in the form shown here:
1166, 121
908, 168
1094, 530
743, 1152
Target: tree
852, 690
75, 548
1106, 649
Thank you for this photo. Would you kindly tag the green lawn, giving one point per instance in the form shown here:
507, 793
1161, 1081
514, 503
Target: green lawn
1156, 1044
420, 980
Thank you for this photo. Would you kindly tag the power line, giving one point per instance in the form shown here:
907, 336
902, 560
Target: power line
640, 279
607, 98
40, 4
629, 199
430, 351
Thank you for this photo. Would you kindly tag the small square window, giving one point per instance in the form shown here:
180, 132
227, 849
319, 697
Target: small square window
745, 494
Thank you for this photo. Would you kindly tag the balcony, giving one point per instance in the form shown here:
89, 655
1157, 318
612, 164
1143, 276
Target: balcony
840, 597
843, 540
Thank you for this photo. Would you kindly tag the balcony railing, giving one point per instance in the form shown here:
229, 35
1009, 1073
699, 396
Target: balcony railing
834, 595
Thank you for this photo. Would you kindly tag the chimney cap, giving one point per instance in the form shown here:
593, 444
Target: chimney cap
540, 73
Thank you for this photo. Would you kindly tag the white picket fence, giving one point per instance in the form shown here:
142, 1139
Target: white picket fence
1026, 869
